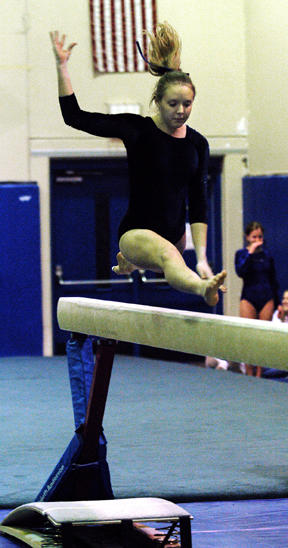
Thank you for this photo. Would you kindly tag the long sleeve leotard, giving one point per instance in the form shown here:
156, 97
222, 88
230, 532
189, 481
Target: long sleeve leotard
164, 171
259, 277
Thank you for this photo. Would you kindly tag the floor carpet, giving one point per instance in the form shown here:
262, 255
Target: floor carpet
174, 430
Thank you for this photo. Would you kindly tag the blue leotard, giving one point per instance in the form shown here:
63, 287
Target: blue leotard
259, 277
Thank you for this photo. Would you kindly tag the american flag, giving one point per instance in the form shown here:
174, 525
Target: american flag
115, 27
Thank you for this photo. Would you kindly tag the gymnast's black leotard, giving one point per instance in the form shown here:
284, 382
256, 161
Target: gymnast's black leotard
259, 277
164, 171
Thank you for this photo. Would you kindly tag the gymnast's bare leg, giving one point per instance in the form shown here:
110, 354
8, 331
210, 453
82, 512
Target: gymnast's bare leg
145, 249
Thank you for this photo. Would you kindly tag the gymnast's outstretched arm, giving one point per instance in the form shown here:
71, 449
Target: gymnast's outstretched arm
62, 56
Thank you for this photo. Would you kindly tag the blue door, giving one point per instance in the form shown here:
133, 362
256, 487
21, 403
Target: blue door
88, 199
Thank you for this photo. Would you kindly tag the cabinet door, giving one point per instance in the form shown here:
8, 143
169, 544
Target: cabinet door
20, 277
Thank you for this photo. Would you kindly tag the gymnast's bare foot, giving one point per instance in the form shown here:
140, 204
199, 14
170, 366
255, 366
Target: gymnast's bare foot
212, 287
123, 267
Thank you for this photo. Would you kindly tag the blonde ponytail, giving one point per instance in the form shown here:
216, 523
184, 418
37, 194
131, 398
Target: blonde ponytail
164, 49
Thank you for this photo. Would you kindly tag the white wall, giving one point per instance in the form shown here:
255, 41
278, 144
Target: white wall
213, 38
14, 132
267, 84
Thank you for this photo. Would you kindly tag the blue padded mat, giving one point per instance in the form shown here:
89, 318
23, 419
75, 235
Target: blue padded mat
174, 430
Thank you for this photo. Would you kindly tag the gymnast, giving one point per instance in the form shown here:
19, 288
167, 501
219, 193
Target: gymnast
255, 266
168, 162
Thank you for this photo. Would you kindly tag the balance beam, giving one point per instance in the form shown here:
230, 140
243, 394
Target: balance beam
231, 338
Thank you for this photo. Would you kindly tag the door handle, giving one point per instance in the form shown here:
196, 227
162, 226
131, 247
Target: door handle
150, 280
61, 281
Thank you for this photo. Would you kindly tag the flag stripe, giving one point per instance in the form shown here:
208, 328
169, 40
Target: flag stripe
113, 30
124, 37
98, 36
119, 37
138, 33
144, 22
92, 20
129, 36
102, 27
108, 36
133, 43
115, 27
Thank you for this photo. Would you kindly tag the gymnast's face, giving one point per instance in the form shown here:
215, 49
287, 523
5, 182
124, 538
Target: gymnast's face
175, 107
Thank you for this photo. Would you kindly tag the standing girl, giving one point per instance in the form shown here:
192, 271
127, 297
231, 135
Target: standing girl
255, 266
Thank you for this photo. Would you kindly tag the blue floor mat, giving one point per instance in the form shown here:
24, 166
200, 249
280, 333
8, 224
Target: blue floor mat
174, 430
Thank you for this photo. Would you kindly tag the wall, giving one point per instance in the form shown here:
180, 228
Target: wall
267, 85
14, 69
214, 54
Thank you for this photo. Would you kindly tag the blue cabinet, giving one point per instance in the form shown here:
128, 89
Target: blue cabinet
20, 278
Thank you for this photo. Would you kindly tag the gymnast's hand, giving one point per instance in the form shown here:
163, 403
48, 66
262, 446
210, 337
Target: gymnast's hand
61, 55
204, 269
205, 273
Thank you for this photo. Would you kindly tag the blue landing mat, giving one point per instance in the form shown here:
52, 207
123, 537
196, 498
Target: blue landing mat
174, 430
